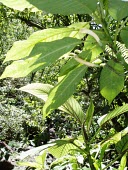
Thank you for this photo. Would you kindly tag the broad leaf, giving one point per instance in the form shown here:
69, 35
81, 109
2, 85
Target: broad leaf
123, 34
118, 10
89, 115
118, 111
62, 147
18, 4
42, 55
64, 89
111, 80
65, 7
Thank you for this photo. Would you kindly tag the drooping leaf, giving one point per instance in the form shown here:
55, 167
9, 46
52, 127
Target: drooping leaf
116, 112
64, 89
39, 90
122, 145
123, 162
118, 10
18, 4
65, 7
42, 55
89, 115
123, 34
111, 80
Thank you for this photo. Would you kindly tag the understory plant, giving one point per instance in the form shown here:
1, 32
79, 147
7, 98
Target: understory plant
99, 44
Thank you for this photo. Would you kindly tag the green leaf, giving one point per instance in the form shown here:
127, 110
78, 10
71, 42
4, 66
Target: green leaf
123, 34
39, 90
72, 63
118, 10
41, 158
62, 147
89, 116
66, 7
91, 44
116, 112
122, 145
111, 80
34, 151
22, 49
18, 4
123, 162
72, 107
64, 89
42, 55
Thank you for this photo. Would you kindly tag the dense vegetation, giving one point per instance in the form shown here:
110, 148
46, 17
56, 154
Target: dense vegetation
72, 60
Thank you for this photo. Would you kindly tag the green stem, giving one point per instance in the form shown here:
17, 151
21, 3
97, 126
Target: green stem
90, 160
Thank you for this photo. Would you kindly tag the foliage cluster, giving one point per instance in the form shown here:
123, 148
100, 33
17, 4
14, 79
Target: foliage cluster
94, 68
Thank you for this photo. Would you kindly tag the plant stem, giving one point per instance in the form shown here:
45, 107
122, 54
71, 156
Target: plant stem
90, 160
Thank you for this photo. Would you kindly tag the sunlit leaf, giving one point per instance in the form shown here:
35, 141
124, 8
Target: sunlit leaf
42, 55
39, 90
111, 80
22, 49
64, 89
66, 7
71, 106
18, 4
116, 112
123, 162
62, 147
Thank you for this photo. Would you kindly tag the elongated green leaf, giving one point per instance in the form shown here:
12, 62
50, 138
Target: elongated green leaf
22, 49
111, 80
123, 162
123, 34
38, 89
71, 106
118, 10
42, 55
89, 115
65, 7
18, 4
118, 111
64, 89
